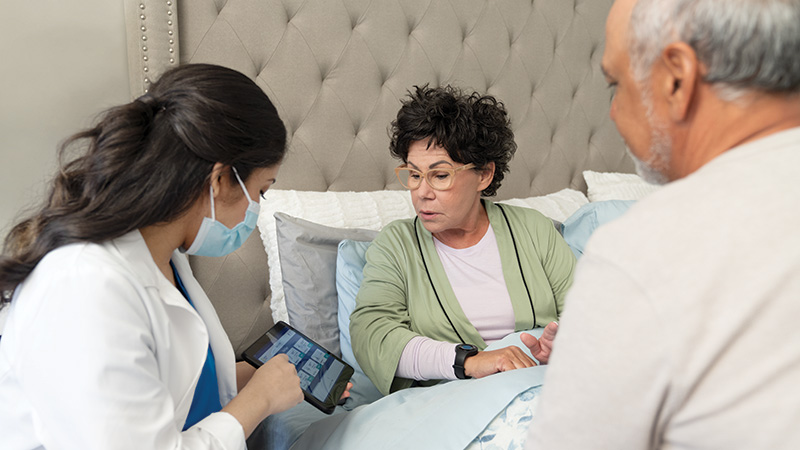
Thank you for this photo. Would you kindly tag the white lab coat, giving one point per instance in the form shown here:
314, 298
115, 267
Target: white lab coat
102, 352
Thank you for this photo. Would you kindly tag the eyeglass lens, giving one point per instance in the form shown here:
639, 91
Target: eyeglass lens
439, 179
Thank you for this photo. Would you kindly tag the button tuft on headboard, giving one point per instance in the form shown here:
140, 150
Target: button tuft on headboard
537, 57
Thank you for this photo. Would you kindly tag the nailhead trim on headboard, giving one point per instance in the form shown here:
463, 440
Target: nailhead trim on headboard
152, 41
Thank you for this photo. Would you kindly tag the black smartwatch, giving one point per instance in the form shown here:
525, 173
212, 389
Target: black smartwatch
463, 351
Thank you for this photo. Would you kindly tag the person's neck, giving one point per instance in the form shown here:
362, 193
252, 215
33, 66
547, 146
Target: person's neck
470, 233
726, 125
162, 240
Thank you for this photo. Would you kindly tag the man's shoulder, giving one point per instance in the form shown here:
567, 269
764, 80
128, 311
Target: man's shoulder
733, 197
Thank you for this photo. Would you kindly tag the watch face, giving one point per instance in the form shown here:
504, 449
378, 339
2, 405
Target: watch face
467, 347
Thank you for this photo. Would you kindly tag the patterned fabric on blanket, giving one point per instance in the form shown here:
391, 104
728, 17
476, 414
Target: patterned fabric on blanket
509, 429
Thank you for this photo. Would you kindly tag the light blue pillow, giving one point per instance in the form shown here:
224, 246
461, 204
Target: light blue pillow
581, 224
350, 262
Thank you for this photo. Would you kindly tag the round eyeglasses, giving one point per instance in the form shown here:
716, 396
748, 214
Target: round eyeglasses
440, 179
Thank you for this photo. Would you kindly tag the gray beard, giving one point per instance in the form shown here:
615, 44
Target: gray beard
649, 170
654, 169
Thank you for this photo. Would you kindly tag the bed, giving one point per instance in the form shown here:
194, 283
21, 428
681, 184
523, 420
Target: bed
336, 71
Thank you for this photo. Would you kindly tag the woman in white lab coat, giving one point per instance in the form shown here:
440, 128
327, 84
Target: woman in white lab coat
111, 342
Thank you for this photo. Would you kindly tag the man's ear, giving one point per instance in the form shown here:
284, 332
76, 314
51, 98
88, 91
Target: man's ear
487, 175
679, 79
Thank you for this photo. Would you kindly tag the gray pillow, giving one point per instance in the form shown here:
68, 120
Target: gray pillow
307, 252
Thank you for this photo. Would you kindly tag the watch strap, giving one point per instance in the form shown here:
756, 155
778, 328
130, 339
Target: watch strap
463, 351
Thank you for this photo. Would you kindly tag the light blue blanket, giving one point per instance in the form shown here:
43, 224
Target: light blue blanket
446, 416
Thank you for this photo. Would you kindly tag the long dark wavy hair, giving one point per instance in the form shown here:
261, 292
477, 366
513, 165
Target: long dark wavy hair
147, 162
473, 128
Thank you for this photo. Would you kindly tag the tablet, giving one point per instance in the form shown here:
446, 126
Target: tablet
323, 376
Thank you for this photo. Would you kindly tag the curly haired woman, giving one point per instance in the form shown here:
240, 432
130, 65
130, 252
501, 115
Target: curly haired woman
465, 272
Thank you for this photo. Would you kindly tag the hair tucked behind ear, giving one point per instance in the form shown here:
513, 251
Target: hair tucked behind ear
147, 162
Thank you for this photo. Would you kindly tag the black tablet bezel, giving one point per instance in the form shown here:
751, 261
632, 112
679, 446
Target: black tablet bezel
330, 403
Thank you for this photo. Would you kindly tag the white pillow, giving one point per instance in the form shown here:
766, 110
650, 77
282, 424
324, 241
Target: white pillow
558, 205
370, 210
616, 186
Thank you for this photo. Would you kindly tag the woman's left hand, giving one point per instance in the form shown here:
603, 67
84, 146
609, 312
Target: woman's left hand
346, 392
541, 348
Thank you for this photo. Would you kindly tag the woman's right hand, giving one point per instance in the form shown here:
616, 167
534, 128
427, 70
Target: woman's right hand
510, 358
277, 384
501, 360
273, 388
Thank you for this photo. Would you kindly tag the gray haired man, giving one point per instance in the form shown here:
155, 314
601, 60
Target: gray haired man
681, 328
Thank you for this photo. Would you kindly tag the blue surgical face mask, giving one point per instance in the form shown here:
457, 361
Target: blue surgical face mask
215, 239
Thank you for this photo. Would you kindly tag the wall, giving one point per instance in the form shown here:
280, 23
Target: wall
62, 63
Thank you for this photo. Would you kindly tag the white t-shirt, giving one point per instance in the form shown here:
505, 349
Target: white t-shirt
476, 276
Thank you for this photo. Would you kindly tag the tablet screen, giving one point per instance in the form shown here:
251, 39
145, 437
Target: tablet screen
318, 371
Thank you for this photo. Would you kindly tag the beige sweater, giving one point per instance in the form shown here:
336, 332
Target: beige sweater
681, 330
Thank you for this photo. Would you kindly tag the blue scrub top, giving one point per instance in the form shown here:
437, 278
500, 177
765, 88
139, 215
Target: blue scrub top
206, 395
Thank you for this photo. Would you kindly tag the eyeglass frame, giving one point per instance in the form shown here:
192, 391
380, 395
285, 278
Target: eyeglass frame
453, 171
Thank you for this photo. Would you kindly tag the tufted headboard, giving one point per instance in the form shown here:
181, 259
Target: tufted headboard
336, 71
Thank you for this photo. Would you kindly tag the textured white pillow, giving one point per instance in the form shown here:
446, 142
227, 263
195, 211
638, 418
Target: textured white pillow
370, 210
558, 205
616, 186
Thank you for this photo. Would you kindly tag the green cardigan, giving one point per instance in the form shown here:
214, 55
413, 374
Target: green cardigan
396, 302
